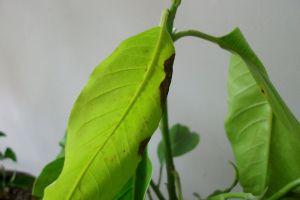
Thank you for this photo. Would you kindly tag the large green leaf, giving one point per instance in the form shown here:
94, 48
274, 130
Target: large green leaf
114, 117
264, 134
182, 142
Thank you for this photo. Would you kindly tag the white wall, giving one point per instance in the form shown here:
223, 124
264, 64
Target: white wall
48, 49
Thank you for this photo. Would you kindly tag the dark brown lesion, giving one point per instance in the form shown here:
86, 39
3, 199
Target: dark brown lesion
143, 145
262, 91
165, 84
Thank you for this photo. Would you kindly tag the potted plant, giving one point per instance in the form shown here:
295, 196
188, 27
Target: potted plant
104, 152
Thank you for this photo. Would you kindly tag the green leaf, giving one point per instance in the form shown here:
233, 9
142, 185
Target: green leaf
137, 186
2, 134
51, 171
114, 117
62, 144
264, 134
10, 154
48, 175
126, 193
142, 177
182, 142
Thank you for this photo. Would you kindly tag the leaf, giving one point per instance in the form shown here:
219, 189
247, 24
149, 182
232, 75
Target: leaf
137, 186
2, 134
50, 172
182, 142
10, 154
264, 134
143, 177
48, 175
126, 193
114, 117
62, 144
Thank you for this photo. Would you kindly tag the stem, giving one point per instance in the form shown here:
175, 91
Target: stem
195, 33
285, 190
156, 190
232, 195
172, 14
160, 175
178, 185
168, 153
164, 122
149, 194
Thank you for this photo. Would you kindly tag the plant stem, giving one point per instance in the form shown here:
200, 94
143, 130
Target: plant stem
149, 194
232, 195
168, 154
156, 190
164, 122
289, 187
172, 14
195, 33
160, 175
178, 185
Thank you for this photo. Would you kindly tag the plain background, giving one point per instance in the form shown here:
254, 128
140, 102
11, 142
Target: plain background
48, 49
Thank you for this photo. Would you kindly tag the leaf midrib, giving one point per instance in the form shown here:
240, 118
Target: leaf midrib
143, 84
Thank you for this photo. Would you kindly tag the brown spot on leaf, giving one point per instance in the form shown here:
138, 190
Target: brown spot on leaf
164, 86
143, 145
262, 91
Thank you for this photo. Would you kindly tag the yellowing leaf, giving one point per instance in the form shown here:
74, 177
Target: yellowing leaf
114, 117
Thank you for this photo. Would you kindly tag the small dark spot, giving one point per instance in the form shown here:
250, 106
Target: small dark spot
143, 145
124, 150
164, 86
262, 91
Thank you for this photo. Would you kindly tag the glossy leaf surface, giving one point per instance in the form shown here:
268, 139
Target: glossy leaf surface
264, 134
114, 117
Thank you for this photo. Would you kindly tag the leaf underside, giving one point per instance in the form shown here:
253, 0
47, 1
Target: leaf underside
264, 134
114, 117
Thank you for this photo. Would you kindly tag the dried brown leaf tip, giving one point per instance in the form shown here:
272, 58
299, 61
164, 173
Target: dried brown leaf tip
143, 145
164, 86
